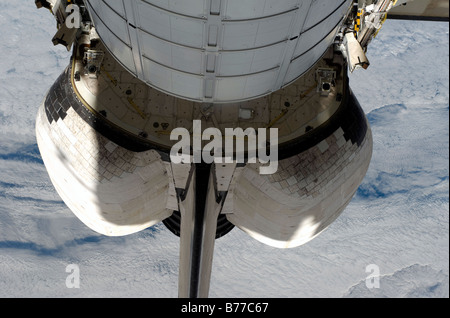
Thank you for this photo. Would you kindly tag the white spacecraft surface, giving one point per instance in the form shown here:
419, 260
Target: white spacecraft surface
140, 70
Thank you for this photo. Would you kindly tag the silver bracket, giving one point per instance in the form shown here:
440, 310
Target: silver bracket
93, 60
326, 79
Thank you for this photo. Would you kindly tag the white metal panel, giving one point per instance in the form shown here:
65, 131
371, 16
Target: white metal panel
261, 83
117, 6
321, 9
187, 85
175, 82
248, 62
230, 88
304, 62
158, 75
241, 35
313, 35
251, 9
194, 8
275, 29
171, 27
178, 57
112, 20
237, 88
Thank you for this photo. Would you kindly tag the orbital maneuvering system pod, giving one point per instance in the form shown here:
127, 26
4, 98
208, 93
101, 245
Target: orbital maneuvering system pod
208, 115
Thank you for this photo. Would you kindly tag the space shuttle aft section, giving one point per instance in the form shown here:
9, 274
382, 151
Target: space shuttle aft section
269, 71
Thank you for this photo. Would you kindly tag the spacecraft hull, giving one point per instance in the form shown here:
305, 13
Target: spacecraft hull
119, 183
218, 51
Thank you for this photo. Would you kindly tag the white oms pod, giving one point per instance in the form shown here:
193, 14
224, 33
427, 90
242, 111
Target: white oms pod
114, 191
